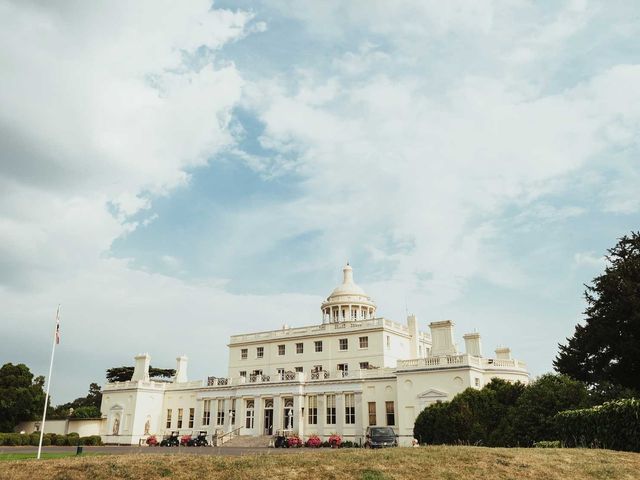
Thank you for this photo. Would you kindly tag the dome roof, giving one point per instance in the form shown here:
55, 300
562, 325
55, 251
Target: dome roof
348, 286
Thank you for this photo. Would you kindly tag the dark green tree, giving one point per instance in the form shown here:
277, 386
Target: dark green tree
531, 420
86, 412
124, 374
92, 400
21, 395
605, 351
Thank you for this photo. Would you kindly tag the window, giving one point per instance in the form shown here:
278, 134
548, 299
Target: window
344, 344
192, 416
364, 342
299, 347
317, 368
249, 414
281, 373
391, 413
331, 409
169, 412
243, 373
260, 352
299, 369
220, 413
364, 365
388, 341
313, 409
206, 413
244, 353
372, 413
344, 368
318, 345
350, 409
180, 418
281, 350
477, 382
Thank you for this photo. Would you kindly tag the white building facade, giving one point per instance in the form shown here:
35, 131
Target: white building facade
353, 370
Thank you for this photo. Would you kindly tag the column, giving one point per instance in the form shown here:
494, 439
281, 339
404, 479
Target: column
227, 416
359, 426
259, 415
298, 416
340, 413
241, 414
350, 314
278, 406
322, 415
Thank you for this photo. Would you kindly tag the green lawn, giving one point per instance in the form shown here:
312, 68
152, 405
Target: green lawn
425, 463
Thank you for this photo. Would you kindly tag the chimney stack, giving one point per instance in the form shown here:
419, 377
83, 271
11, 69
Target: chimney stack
412, 323
503, 353
141, 369
442, 338
472, 344
181, 370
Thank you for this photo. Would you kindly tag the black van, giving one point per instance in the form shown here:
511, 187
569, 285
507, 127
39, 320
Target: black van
380, 437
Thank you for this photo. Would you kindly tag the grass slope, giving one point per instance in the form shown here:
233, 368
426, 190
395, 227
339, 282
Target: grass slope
455, 463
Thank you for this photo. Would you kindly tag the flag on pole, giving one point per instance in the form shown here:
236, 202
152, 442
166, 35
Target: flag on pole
58, 326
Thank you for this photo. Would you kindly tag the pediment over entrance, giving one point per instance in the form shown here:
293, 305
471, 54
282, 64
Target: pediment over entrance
433, 394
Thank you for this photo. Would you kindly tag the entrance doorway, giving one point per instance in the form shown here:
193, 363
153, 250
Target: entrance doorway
268, 417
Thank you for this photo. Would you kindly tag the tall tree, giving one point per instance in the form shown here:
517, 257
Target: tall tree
605, 351
21, 395
124, 374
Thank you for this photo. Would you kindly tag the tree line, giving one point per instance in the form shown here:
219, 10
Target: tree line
22, 395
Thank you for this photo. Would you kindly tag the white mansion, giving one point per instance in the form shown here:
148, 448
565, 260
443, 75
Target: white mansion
352, 370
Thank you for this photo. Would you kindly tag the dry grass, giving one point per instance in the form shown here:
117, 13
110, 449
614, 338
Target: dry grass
459, 463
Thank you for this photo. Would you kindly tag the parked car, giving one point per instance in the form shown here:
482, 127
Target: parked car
199, 441
172, 440
380, 437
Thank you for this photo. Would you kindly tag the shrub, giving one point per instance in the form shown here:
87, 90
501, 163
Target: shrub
314, 441
548, 444
325, 444
348, 444
294, 441
335, 440
614, 425
501, 414
91, 440
184, 440
152, 441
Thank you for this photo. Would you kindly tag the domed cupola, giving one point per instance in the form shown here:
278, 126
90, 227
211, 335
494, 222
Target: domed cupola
347, 302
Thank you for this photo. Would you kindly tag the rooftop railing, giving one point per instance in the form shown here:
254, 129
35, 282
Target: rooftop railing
461, 360
355, 324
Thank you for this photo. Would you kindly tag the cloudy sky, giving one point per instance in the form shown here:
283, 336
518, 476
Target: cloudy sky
176, 172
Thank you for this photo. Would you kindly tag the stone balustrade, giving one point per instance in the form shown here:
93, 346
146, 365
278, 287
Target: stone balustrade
460, 360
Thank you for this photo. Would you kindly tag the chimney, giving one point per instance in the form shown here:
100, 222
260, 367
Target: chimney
503, 353
181, 370
141, 369
472, 344
412, 323
442, 338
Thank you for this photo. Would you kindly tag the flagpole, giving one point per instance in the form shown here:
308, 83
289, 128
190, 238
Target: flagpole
46, 397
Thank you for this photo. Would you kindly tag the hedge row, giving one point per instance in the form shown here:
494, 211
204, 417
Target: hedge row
614, 425
14, 439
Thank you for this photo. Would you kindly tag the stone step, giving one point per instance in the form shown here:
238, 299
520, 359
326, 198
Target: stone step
248, 441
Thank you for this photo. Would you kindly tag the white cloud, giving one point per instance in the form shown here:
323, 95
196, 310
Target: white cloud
589, 259
102, 110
